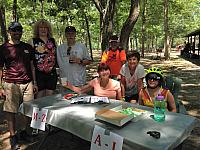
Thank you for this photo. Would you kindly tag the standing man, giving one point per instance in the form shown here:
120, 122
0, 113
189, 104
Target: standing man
16, 62
114, 57
72, 58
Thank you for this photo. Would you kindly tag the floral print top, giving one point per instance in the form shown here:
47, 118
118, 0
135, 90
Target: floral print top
45, 55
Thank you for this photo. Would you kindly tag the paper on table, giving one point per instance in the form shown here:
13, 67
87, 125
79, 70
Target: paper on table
90, 99
95, 99
84, 99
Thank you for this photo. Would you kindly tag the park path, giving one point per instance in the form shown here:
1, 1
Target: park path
186, 69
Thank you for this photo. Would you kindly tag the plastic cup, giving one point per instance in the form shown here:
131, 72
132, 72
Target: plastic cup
63, 81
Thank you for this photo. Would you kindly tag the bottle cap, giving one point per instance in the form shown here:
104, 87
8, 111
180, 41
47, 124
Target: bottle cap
160, 97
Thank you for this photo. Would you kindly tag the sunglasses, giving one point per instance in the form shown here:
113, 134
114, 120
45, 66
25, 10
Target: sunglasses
69, 50
154, 134
153, 77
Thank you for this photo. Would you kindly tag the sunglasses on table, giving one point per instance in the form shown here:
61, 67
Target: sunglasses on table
153, 77
69, 50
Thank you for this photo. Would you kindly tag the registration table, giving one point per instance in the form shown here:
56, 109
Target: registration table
79, 119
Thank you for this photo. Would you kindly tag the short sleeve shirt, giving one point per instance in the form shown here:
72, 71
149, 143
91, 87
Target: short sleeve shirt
45, 55
131, 80
109, 91
16, 60
114, 60
75, 73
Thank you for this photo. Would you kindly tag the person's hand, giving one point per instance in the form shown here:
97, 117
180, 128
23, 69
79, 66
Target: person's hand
35, 89
133, 101
68, 85
74, 59
2, 93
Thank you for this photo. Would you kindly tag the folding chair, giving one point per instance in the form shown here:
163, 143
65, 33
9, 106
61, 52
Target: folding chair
174, 85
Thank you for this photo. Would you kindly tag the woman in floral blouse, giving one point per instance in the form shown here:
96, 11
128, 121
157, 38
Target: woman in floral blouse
45, 58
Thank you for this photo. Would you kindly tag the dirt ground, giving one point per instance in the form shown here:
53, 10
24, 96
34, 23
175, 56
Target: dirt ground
186, 69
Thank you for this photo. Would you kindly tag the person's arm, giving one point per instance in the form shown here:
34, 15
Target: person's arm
171, 102
139, 84
83, 89
123, 85
35, 88
140, 102
119, 94
83, 62
1, 87
123, 56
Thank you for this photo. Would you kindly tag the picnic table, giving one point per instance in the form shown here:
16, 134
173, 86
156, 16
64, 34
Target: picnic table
79, 119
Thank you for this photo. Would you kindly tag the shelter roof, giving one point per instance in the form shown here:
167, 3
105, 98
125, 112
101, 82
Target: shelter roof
196, 32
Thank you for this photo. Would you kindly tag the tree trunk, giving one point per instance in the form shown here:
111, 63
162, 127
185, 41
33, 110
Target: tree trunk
166, 31
143, 26
42, 8
3, 23
129, 24
88, 33
15, 10
106, 10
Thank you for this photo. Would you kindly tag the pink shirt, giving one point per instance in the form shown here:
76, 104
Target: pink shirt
110, 91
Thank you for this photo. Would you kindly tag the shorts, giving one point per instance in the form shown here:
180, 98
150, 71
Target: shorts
46, 80
132, 97
16, 94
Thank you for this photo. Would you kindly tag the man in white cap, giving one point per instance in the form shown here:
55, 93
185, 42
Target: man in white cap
16, 62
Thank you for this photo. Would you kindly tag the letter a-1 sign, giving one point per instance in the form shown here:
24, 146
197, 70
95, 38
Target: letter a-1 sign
102, 141
39, 118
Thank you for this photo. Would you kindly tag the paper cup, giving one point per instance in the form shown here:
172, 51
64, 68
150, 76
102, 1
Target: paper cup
63, 81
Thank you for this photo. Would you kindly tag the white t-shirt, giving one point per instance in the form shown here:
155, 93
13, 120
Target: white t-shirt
75, 73
131, 81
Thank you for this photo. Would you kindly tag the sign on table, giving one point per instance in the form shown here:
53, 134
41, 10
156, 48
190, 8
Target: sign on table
39, 118
102, 141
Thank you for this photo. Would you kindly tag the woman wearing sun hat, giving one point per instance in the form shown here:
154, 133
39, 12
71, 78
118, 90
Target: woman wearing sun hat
154, 79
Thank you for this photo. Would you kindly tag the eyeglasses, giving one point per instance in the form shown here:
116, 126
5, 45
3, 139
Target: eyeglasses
153, 77
69, 50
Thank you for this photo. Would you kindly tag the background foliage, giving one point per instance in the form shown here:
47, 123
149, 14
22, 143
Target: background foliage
184, 17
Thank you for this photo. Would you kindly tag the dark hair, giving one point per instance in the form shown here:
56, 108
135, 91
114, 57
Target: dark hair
103, 66
70, 29
15, 25
133, 54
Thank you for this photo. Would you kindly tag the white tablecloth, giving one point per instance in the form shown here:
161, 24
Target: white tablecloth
79, 119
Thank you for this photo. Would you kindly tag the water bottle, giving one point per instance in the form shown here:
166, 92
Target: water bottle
159, 108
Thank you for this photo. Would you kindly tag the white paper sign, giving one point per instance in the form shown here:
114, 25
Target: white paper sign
39, 118
100, 141
95, 99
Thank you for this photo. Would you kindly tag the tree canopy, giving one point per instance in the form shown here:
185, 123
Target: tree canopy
102, 18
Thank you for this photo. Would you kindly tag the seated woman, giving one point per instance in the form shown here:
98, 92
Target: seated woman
154, 78
102, 85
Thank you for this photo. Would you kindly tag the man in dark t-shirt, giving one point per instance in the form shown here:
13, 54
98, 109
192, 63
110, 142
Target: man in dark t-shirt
16, 74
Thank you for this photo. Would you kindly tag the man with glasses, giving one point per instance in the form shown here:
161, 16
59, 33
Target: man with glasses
16, 66
72, 58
